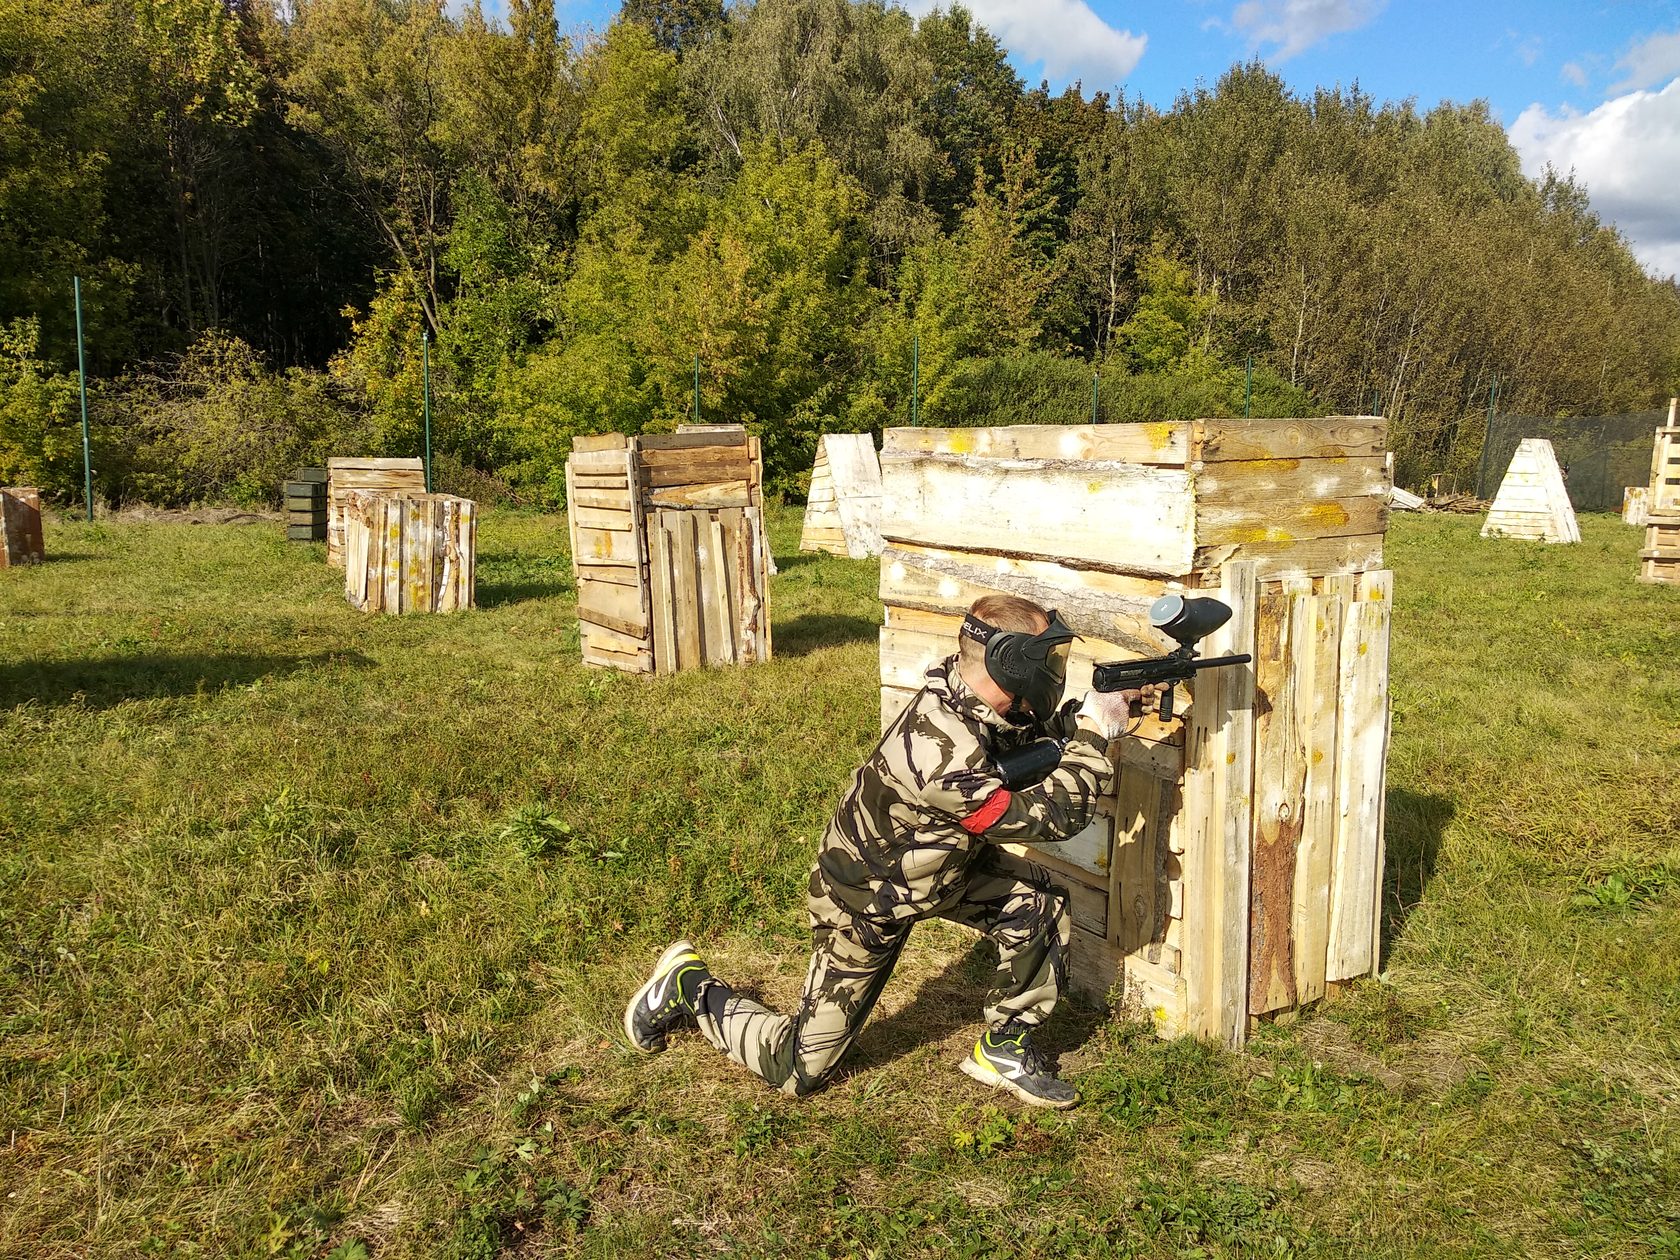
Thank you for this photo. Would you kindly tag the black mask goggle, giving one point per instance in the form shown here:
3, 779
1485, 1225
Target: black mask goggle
1030, 667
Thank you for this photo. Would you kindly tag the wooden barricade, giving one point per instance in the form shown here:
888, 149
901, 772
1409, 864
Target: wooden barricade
21, 540
843, 508
409, 552
668, 549
1235, 871
1660, 560
345, 474
1532, 501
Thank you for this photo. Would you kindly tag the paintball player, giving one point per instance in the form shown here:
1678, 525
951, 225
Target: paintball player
917, 836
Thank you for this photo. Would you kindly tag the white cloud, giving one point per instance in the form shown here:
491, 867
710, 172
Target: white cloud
1625, 152
1293, 26
1653, 60
1065, 36
1574, 72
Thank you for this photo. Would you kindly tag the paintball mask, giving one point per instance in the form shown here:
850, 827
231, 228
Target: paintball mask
1030, 667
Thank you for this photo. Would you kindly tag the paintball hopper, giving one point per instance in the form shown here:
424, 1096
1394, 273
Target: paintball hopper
1188, 620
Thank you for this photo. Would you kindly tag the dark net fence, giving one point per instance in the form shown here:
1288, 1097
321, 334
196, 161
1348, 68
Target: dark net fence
1600, 455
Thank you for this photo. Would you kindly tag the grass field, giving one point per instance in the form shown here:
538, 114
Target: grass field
315, 930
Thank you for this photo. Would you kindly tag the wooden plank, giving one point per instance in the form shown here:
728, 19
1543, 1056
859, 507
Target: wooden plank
1307, 557
662, 594
708, 494
1108, 606
1089, 851
893, 700
1284, 710
1308, 480
391, 535
607, 547
1133, 918
589, 442
686, 610
1286, 518
1318, 668
601, 463
714, 603
1160, 443
1218, 799
604, 518
600, 481
692, 438
1349, 437
617, 607
1158, 993
1361, 754
653, 479
22, 540
756, 611
1123, 518
612, 501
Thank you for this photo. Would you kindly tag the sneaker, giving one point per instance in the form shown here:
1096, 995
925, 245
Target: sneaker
659, 1005
1005, 1059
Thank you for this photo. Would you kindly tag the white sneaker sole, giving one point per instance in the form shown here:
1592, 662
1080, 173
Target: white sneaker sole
666, 960
997, 1080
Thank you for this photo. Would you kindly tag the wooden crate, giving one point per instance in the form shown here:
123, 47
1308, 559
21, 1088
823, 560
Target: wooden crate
304, 497
669, 551
21, 540
843, 508
1660, 561
1235, 870
345, 474
409, 552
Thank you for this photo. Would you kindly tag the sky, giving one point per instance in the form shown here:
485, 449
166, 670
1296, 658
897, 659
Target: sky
1589, 86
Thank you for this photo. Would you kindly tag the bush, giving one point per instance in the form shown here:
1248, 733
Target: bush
40, 420
220, 425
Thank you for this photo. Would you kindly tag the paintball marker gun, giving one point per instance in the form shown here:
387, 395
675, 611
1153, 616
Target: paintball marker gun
1187, 620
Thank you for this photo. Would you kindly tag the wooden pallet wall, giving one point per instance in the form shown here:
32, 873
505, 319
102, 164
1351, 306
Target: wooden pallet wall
669, 549
346, 473
409, 552
21, 538
1235, 870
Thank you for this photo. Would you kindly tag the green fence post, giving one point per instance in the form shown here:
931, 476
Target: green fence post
426, 397
81, 381
1487, 437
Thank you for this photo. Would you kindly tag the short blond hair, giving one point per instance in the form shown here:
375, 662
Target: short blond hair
1006, 612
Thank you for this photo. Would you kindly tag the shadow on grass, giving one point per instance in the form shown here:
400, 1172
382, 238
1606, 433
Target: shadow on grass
104, 682
795, 559
1416, 824
810, 631
496, 594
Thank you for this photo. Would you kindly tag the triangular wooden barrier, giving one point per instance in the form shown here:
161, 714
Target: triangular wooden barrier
843, 510
1532, 501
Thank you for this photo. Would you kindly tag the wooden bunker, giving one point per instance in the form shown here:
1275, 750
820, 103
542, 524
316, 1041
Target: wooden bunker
668, 549
1660, 560
1235, 872
21, 539
1532, 501
409, 552
843, 508
345, 474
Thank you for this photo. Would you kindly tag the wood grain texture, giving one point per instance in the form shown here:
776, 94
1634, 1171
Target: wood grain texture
1327, 437
1164, 444
22, 540
1318, 668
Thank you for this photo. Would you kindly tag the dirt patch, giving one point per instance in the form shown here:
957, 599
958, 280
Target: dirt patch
143, 515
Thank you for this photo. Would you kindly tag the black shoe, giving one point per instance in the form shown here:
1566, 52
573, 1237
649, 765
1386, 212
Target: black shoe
1005, 1059
660, 1004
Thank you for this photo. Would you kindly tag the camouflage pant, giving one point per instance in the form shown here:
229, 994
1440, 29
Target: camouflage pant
1009, 900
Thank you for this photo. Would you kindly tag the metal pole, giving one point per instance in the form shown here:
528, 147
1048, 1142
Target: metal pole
1487, 435
696, 389
81, 380
426, 388
1248, 387
916, 379
1094, 378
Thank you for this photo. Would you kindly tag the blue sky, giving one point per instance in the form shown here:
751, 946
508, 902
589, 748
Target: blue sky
1591, 86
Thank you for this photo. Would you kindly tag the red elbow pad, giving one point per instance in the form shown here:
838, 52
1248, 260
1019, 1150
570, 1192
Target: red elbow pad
995, 807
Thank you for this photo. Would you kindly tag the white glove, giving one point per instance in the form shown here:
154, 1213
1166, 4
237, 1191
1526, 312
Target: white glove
1110, 712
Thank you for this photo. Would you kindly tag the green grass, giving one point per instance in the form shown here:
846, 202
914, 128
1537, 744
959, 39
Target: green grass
314, 930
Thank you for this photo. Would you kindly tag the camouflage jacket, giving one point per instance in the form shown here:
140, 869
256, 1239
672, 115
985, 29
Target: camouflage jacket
921, 809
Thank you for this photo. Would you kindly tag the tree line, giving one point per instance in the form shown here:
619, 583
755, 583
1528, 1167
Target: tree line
805, 213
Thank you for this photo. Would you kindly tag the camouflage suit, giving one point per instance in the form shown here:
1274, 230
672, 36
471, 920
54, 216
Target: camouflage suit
915, 838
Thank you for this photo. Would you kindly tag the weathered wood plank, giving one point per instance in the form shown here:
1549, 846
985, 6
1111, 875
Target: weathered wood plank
606, 547
1164, 443
617, 607
1361, 747
1132, 921
707, 494
1329, 437
1307, 557
1318, 667
1284, 518
692, 438
21, 538
685, 589
590, 442
1105, 515
662, 594
604, 518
